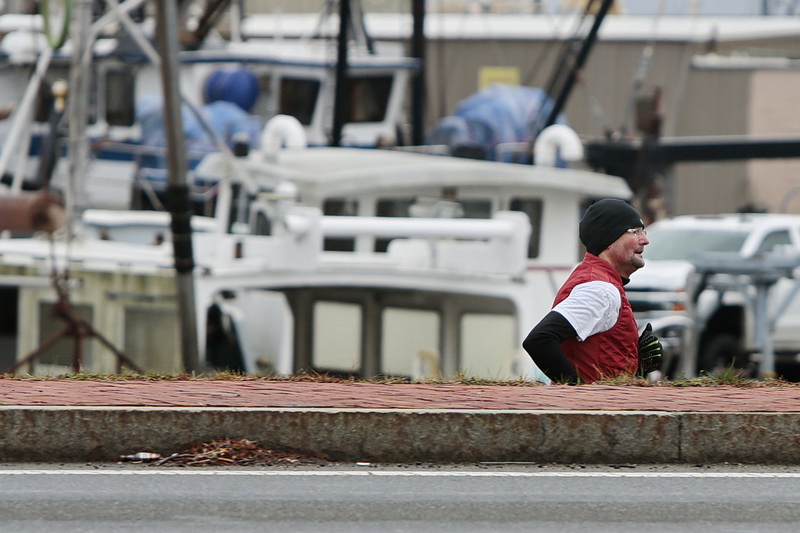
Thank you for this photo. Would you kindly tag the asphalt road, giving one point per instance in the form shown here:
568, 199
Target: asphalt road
369, 498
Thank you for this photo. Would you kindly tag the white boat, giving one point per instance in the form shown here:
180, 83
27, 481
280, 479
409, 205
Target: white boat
338, 260
236, 86
345, 261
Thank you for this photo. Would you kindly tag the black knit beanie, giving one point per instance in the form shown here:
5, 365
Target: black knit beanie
605, 221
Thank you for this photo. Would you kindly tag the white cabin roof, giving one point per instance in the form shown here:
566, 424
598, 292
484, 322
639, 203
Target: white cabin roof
326, 172
299, 53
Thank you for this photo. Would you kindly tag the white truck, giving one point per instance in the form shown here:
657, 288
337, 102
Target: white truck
709, 317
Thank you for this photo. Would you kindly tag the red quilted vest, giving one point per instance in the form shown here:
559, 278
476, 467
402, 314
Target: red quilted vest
613, 352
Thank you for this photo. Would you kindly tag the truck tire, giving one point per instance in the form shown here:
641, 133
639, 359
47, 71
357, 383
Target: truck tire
721, 353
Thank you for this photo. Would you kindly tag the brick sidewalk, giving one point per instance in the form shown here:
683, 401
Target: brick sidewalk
285, 394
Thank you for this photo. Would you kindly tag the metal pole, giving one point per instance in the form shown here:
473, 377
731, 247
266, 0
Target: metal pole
177, 190
78, 110
340, 108
22, 118
763, 335
418, 95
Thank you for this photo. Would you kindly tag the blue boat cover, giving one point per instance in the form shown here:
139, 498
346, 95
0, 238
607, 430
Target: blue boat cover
497, 114
226, 119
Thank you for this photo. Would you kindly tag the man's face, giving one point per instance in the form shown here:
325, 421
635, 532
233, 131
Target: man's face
625, 254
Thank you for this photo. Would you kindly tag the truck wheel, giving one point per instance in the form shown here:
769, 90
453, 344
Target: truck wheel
721, 353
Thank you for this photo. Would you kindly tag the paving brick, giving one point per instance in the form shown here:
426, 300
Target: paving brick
361, 395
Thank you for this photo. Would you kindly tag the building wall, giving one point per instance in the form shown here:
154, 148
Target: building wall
600, 99
774, 111
715, 103
696, 101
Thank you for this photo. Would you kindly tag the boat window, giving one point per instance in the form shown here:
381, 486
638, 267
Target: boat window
394, 207
488, 345
533, 208
60, 353
120, 95
368, 98
9, 323
340, 207
434, 207
299, 98
223, 342
336, 337
44, 103
262, 224
264, 105
474, 208
430, 207
410, 343
151, 339
773, 239
391, 207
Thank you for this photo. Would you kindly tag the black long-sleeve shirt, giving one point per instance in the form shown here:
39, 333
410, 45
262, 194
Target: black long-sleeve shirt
543, 344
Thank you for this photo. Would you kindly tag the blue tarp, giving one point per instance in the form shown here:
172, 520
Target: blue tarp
225, 118
498, 114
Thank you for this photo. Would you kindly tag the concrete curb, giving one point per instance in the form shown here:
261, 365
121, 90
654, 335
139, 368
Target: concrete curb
76, 434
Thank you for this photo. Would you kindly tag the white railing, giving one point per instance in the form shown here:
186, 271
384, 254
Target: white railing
497, 246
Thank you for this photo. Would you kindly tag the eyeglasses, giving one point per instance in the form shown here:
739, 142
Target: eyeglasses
637, 232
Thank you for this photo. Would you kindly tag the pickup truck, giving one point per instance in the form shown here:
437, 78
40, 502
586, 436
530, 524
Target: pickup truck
708, 320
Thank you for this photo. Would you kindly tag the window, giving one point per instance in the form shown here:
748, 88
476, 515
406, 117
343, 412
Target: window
9, 322
394, 207
299, 99
391, 207
773, 239
263, 225
119, 96
62, 352
410, 343
488, 345
264, 105
475, 208
151, 339
533, 208
340, 207
368, 98
336, 337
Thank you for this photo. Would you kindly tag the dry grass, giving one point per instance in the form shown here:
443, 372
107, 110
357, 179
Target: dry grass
230, 452
728, 378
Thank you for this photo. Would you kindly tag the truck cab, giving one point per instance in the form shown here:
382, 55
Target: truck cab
711, 319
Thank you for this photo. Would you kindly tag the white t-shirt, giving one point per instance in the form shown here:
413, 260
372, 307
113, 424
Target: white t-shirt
591, 307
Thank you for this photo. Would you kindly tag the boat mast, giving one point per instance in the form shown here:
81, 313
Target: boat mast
340, 107
418, 88
177, 190
75, 198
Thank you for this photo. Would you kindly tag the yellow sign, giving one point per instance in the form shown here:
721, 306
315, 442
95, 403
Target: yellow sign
490, 75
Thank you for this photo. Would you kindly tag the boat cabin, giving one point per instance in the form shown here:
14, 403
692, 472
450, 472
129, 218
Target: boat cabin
344, 261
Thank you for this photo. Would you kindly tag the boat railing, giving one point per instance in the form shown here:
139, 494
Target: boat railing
486, 246
496, 246
295, 241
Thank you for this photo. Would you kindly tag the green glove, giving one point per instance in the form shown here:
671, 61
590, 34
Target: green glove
651, 353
